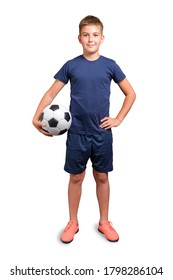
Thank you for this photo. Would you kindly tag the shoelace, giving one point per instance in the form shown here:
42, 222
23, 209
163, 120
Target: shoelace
109, 224
69, 225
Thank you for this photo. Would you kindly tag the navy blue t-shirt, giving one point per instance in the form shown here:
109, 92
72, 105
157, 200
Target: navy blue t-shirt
90, 91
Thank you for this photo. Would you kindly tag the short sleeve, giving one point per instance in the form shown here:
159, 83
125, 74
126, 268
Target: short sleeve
63, 74
118, 74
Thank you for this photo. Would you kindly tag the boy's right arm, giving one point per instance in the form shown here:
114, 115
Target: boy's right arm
45, 101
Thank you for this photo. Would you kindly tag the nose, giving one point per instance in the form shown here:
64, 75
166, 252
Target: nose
90, 38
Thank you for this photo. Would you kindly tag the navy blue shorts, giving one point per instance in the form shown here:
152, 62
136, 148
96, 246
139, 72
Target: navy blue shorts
80, 148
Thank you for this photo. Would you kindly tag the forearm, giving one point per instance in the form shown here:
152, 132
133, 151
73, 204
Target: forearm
127, 104
45, 101
130, 96
47, 98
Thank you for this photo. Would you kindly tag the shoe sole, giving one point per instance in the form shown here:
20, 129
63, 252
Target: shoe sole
67, 242
107, 238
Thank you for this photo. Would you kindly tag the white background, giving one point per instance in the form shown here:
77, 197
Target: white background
37, 38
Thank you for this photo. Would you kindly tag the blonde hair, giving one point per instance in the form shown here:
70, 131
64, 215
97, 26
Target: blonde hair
90, 20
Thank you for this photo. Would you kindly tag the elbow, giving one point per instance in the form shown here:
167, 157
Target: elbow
133, 96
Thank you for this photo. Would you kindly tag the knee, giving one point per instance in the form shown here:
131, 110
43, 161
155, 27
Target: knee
77, 178
100, 177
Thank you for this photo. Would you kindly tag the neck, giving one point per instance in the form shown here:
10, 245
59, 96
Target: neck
93, 56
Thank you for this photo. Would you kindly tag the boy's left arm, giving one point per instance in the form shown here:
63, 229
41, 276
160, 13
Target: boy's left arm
130, 97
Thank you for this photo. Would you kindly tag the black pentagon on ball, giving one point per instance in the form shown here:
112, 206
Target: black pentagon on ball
67, 116
54, 107
62, 132
53, 122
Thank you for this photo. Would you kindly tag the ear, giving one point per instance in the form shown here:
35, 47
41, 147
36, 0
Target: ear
79, 38
103, 37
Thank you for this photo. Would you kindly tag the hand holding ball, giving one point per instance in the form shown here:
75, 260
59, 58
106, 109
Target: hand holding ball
57, 119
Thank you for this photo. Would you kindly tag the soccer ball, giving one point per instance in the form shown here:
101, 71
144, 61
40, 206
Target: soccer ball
57, 119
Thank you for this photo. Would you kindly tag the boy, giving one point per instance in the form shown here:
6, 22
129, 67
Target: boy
90, 136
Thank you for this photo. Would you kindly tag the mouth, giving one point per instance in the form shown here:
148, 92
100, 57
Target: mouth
90, 46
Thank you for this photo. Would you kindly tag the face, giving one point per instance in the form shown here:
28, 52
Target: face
91, 38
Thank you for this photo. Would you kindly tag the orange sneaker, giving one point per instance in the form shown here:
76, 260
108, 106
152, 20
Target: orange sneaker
69, 232
108, 230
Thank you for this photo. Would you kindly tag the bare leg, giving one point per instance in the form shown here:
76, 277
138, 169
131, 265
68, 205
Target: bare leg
74, 195
103, 192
